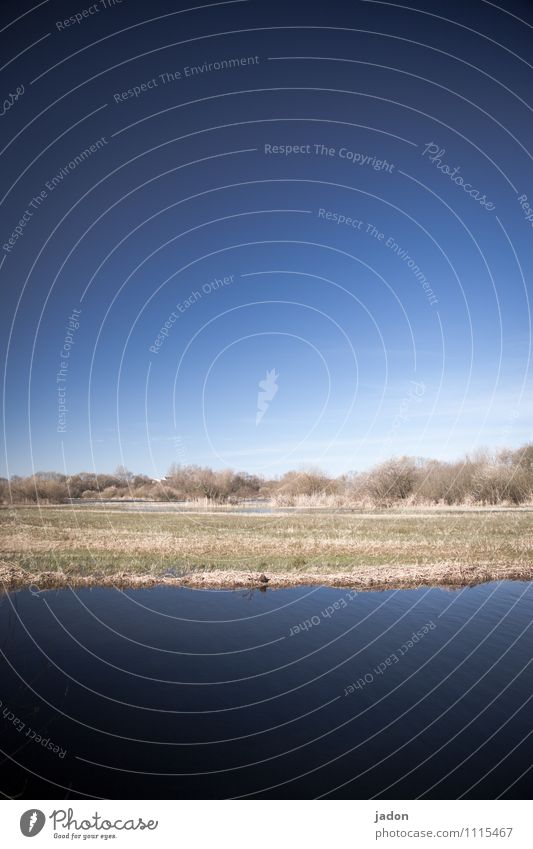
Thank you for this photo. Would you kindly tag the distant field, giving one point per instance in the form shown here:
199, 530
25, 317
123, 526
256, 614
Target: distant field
92, 545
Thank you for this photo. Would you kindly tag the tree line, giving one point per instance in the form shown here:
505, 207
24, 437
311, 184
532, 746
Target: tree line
484, 478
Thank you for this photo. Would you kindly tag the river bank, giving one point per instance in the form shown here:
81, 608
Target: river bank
382, 578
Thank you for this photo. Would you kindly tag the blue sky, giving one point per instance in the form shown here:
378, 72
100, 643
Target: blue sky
368, 364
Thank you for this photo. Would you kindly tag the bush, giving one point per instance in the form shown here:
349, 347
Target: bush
391, 481
485, 479
307, 482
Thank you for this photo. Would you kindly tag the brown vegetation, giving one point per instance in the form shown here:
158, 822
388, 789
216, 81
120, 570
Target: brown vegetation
503, 478
394, 577
89, 545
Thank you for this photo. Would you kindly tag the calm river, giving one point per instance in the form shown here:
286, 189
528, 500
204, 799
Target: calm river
295, 693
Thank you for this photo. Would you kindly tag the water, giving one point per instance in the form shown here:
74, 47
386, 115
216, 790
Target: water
130, 504
165, 693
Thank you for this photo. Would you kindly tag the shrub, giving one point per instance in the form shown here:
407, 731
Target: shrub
503, 478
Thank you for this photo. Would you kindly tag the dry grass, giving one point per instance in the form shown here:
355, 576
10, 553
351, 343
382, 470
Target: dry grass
87, 546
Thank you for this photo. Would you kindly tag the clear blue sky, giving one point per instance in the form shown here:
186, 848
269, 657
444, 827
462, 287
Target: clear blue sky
368, 362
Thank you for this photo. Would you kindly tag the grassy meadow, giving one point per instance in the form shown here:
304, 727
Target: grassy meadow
91, 545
